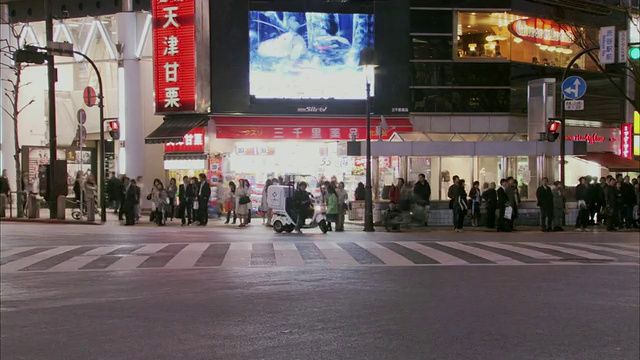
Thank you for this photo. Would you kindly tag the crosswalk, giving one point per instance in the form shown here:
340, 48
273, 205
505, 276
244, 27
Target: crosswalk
308, 254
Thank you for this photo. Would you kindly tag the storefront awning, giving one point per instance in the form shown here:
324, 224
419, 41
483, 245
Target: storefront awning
613, 162
186, 156
174, 128
305, 128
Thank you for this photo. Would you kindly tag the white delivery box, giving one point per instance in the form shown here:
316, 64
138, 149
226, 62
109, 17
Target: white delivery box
277, 196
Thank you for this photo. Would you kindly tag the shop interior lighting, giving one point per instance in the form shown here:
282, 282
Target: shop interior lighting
143, 37
551, 48
473, 46
490, 38
517, 40
544, 47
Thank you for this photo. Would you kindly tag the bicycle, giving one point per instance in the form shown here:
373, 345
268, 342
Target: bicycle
75, 212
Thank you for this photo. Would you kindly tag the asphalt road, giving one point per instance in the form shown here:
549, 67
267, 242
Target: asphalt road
427, 296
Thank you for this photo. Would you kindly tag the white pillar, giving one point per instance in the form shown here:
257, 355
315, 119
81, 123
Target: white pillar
130, 104
6, 123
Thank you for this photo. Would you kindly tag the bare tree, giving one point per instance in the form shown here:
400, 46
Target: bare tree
588, 38
12, 87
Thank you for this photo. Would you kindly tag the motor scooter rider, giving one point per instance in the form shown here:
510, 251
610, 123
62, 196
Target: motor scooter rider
302, 203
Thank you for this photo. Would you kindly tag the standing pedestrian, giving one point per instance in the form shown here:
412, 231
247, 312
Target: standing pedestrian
332, 207
628, 201
230, 202
342, 206
243, 201
451, 194
422, 193
264, 204
203, 195
186, 195
559, 206
129, 201
610, 200
302, 203
140, 186
545, 203
490, 197
172, 191
582, 197
460, 206
475, 198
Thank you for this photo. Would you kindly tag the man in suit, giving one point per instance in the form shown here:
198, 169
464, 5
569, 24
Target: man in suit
545, 203
186, 195
204, 192
490, 196
502, 205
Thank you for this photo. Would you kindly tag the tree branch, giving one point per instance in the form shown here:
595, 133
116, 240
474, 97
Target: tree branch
24, 107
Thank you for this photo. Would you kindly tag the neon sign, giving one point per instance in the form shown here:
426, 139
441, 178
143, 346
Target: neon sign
541, 31
626, 141
192, 142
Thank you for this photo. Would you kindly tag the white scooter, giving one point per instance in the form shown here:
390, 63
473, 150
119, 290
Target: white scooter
280, 200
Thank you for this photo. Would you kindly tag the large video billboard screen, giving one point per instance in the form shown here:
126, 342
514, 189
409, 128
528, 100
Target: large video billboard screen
298, 55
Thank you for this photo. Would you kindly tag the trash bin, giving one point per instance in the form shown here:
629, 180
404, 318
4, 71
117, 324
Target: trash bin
33, 206
357, 210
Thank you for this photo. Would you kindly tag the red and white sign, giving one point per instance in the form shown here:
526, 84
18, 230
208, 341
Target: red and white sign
192, 142
337, 129
174, 55
541, 31
597, 139
626, 141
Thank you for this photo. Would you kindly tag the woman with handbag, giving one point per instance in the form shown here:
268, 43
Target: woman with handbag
160, 199
243, 201
230, 202
460, 206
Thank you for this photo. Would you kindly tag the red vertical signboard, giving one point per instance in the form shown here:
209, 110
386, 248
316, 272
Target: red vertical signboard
192, 142
174, 55
626, 141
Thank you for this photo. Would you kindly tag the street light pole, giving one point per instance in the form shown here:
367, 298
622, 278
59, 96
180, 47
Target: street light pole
368, 61
101, 179
368, 197
53, 137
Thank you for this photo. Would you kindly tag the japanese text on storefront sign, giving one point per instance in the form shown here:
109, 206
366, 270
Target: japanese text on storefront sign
303, 133
626, 141
193, 142
174, 64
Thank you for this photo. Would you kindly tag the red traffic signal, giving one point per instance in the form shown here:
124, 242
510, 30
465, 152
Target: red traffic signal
552, 131
114, 129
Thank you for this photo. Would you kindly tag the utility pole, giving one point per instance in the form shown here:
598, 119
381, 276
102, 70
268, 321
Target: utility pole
53, 137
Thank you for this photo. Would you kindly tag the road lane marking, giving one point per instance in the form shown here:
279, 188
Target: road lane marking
524, 251
608, 249
579, 253
439, 256
493, 257
30, 260
287, 254
238, 255
389, 257
335, 254
187, 257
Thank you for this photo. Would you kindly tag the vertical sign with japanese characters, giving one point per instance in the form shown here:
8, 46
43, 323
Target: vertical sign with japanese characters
176, 48
608, 45
626, 141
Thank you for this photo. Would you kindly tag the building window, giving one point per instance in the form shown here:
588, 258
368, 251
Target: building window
432, 47
504, 36
432, 74
431, 21
480, 100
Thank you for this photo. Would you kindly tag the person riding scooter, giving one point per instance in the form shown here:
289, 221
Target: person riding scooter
302, 203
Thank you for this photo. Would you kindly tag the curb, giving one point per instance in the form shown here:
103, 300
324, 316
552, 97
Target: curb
50, 221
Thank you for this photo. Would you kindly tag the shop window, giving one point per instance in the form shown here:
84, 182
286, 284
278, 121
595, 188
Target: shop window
431, 21
487, 36
451, 166
432, 47
432, 74
489, 170
424, 165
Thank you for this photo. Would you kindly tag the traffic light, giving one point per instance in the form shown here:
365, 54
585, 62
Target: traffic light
552, 131
114, 129
634, 52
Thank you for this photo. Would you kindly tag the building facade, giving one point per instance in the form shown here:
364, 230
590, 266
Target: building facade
451, 95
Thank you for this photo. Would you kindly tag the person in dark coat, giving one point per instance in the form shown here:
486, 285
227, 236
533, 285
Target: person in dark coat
186, 195
123, 193
302, 204
460, 206
451, 193
610, 200
502, 205
545, 203
582, 197
422, 193
113, 191
360, 192
131, 198
490, 197
204, 193
628, 202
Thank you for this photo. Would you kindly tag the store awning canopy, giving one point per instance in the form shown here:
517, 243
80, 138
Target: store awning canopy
613, 162
174, 128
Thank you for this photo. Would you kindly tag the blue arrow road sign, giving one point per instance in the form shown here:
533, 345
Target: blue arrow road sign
574, 87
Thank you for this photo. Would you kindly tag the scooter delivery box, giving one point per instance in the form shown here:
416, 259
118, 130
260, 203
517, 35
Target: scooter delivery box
277, 196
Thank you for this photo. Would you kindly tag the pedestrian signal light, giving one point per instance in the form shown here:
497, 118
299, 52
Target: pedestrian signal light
114, 129
552, 131
634, 52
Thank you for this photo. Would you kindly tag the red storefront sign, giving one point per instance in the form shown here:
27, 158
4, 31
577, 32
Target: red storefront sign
305, 128
192, 142
174, 55
590, 138
541, 31
626, 141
